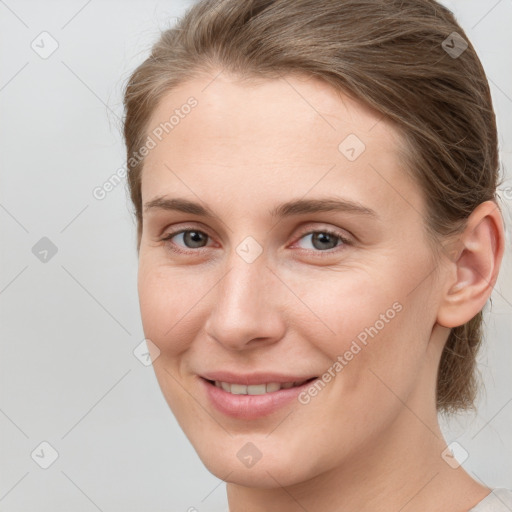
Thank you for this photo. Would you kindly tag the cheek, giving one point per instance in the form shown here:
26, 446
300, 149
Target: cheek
166, 304
368, 325
345, 306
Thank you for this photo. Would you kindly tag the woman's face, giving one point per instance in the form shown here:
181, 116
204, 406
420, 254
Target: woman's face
262, 282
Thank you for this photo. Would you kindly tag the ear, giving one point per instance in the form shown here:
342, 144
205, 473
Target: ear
473, 271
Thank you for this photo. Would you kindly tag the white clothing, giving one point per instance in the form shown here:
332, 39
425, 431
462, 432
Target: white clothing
499, 500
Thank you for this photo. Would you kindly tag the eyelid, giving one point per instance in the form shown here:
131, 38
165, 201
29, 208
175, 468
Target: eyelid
193, 226
309, 229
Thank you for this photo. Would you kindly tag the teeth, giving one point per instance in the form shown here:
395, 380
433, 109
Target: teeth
273, 386
255, 389
238, 389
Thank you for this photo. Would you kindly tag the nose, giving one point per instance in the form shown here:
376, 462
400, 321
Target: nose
247, 311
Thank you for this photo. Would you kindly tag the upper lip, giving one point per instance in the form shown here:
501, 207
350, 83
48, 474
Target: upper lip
249, 379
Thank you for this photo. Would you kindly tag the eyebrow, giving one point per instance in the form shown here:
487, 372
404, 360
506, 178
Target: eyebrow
287, 209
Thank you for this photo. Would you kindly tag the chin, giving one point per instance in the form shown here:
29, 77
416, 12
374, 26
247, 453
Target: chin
232, 463
263, 476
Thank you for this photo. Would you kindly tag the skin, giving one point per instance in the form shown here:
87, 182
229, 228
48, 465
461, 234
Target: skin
370, 440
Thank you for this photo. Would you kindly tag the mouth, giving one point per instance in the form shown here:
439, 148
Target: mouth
257, 389
253, 401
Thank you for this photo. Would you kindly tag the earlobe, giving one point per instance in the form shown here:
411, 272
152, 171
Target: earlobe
475, 268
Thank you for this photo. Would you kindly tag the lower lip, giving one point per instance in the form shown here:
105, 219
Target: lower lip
250, 407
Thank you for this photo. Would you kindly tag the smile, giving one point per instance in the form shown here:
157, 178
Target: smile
257, 389
252, 401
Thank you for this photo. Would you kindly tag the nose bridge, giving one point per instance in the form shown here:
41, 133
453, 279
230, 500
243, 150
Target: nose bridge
243, 286
245, 303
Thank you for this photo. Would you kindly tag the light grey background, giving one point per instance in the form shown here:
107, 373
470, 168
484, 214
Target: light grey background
69, 325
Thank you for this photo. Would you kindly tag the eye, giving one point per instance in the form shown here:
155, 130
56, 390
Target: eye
323, 240
191, 238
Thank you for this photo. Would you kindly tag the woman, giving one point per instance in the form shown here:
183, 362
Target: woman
314, 183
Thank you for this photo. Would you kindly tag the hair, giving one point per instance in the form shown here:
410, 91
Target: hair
389, 55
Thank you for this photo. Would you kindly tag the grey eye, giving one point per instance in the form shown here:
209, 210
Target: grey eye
322, 240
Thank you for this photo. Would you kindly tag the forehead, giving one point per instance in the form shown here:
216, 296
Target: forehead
230, 107
288, 134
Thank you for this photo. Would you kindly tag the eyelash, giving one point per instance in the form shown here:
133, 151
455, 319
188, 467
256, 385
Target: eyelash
175, 248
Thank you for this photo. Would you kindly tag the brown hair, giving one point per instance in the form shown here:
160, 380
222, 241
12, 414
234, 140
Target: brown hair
397, 56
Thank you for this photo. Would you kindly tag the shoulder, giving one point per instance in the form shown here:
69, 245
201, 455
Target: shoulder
499, 500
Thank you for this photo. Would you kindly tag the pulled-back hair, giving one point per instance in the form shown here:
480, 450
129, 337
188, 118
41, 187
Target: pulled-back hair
400, 57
